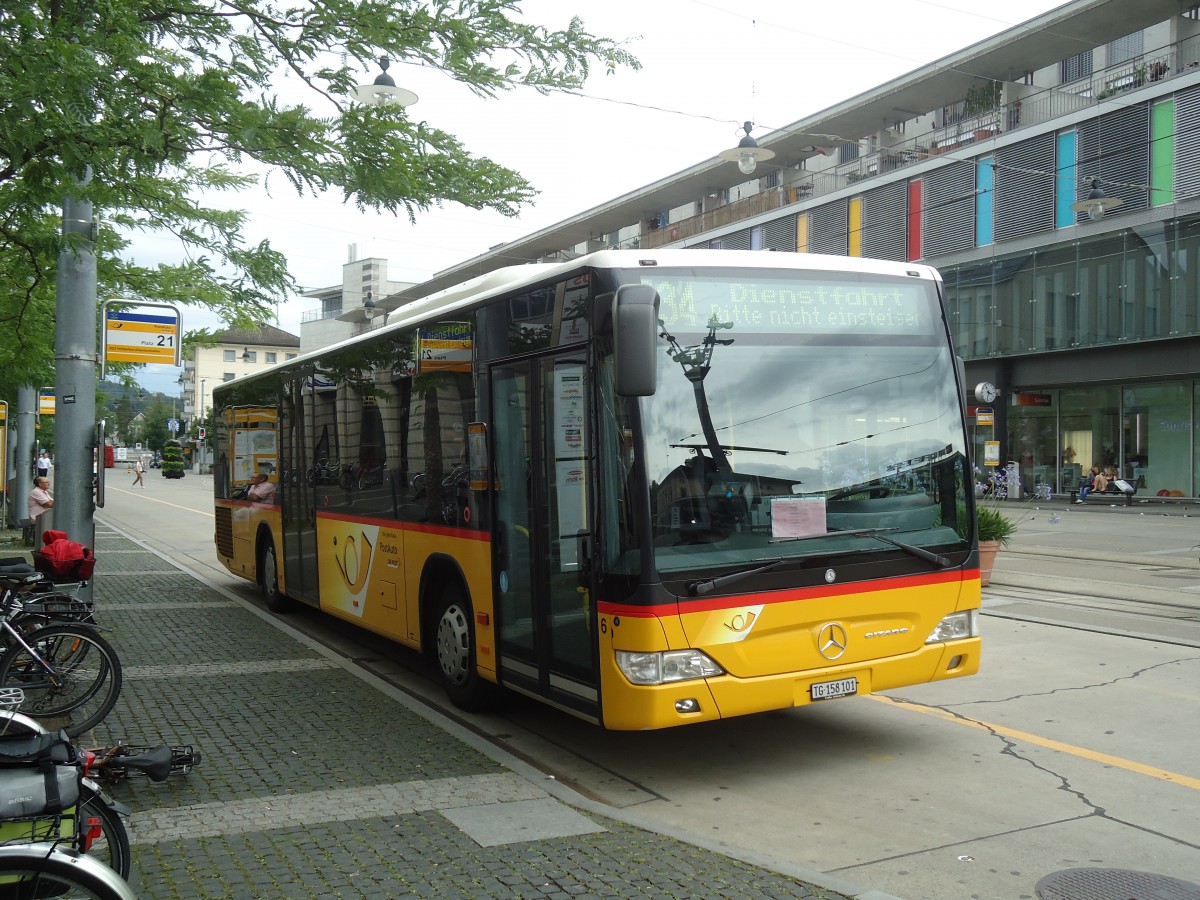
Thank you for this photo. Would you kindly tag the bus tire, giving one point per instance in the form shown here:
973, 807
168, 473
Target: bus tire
454, 651
268, 578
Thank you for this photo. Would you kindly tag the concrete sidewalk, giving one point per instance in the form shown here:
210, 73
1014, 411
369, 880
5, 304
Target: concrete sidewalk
319, 780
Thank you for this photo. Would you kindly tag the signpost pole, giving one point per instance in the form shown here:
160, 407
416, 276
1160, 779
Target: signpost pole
75, 375
25, 449
4, 460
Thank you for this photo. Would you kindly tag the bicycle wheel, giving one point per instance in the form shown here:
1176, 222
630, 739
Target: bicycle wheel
101, 834
29, 871
70, 674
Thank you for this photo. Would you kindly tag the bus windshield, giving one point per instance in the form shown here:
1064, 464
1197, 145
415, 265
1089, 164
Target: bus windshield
801, 413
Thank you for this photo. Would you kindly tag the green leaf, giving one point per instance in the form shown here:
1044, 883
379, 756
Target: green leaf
170, 103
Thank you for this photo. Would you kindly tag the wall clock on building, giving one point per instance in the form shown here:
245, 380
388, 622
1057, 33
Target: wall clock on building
986, 392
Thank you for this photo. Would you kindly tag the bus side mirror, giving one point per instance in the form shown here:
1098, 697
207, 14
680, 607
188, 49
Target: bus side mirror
635, 335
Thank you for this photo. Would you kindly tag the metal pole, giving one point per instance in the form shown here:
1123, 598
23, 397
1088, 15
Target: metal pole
24, 451
204, 440
75, 373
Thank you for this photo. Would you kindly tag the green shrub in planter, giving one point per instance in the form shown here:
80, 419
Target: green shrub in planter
172, 459
993, 525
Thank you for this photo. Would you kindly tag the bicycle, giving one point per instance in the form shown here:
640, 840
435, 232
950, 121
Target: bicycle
74, 810
48, 870
453, 496
49, 603
68, 672
98, 827
120, 761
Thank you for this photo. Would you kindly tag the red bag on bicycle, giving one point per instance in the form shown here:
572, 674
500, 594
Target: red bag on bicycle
63, 559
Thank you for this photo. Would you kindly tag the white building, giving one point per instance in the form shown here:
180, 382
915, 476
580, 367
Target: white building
359, 303
238, 351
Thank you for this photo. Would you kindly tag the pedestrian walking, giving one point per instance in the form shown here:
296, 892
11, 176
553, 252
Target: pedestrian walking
139, 469
43, 465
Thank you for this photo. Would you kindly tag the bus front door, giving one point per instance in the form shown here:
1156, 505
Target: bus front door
547, 643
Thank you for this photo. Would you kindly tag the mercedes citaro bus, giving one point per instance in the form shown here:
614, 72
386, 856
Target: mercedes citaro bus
648, 488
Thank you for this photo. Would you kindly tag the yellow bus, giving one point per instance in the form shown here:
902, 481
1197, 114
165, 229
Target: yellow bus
648, 488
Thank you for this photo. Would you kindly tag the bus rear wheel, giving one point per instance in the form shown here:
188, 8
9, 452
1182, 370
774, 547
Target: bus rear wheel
454, 649
268, 579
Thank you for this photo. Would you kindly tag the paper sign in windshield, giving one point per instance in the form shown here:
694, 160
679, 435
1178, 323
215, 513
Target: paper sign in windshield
797, 517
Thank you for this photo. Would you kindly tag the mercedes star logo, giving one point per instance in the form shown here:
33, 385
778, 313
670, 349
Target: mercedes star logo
831, 641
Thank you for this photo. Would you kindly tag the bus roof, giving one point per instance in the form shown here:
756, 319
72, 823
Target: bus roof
503, 280
476, 290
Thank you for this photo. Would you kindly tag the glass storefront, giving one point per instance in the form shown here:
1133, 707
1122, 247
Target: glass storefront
1147, 433
1112, 291
1137, 284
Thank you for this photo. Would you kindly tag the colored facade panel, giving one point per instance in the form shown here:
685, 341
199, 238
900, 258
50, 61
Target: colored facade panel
802, 233
985, 200
1065, 175
855, 223
914, 219
1162, 153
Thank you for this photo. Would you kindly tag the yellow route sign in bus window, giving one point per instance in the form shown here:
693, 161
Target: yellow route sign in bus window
444, 347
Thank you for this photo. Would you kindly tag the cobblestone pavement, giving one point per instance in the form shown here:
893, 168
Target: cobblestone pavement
315, 783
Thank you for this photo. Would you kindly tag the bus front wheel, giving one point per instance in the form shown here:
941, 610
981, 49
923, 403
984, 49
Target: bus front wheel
454, 648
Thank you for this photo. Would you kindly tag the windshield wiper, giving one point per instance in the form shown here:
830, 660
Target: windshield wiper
696, 588
920, 552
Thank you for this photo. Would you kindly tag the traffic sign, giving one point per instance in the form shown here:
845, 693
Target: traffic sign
142, 337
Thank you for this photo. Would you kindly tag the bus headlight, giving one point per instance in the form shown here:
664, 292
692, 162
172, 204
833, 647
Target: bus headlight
666, 667
955, 626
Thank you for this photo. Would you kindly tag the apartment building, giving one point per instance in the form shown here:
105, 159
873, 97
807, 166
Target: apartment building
236, 352
1052, 174
358, 303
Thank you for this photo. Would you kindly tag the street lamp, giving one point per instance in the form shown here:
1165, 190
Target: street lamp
384, 90
1097, 202
747, 153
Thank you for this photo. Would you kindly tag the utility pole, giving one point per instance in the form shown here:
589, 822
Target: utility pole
75, 373
24, 451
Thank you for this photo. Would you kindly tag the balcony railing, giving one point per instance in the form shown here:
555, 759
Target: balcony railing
1024, 112
321, 312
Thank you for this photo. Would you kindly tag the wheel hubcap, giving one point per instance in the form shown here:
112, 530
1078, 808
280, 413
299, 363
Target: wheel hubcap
453, 645
269, 579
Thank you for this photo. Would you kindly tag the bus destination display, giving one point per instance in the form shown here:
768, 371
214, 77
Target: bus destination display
793, 305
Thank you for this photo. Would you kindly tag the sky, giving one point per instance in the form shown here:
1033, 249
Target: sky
707, 66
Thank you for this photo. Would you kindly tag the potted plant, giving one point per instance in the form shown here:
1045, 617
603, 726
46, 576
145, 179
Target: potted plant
994, 525
981, 99
993, 529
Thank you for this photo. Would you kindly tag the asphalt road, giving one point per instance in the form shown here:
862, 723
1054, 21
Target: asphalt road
1074, 746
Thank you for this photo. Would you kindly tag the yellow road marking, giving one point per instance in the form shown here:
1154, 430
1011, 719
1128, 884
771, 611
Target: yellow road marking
1082, 752
163, 502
